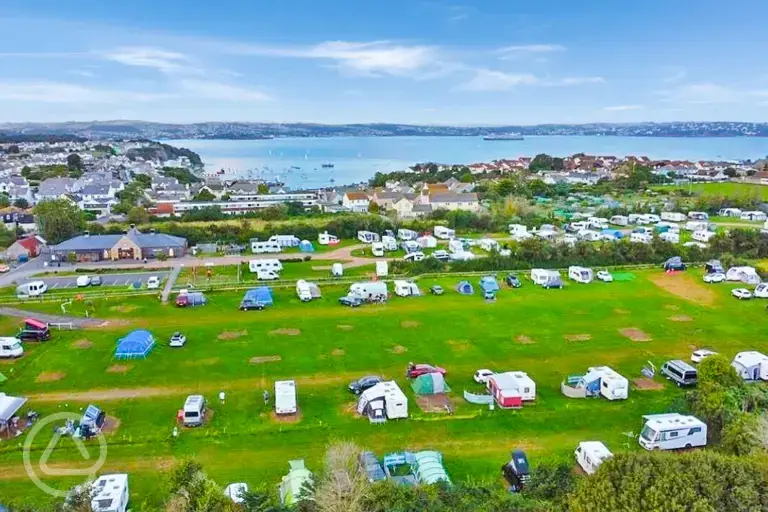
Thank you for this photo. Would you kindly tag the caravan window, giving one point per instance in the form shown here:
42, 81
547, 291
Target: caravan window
674, 434
671, 369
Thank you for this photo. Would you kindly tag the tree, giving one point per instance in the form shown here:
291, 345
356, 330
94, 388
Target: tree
144, 180
21, 203
59, 219
138, 215
740, 435
193, 491
263, 188
716, 397
551, 480
343, 485
730, 172
5, 201
541, 162
26, 171
74, 161
373, 207
204, 195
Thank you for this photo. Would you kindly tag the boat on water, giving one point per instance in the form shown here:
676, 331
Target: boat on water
503, 136
327, 166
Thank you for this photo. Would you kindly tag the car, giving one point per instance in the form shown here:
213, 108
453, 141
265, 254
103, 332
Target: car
436, 290
513, 281
489, 295
153, 283
441, 255
416, 370
741, 293
178, 340
414, 256
351, 301
674, 264
248, 305
714, 277
83, 281
96, 281
364, 383
701, 354
482, 376
605, 276
4, 269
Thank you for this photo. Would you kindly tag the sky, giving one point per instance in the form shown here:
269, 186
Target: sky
400, 61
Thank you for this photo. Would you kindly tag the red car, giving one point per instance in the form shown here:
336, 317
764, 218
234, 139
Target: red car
416, 370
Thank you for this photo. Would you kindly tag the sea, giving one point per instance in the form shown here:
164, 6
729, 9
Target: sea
301, 163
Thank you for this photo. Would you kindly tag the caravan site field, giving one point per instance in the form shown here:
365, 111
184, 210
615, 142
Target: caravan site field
547, 333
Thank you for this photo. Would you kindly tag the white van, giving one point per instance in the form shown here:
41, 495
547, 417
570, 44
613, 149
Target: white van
702, 236
194, 411
377, 249
265, 264
267, 275
83, 281
672, 431
590, 454
10, 348
266, 247
31, 289
285, 397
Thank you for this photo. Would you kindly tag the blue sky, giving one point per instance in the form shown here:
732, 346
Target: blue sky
340, 61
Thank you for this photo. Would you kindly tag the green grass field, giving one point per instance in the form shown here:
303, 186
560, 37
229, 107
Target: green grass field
547, 333
726, 189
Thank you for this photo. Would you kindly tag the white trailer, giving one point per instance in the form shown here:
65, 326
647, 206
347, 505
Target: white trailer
751, 365
729, 212
671, 226
651, 218
620, 220
307, 291
31, 289
268, 246
367, 237
406, 288
756, 216
109, 493
444, 233
285, 397
368, 289
613, 386
407, 234
285, 240
640, 238
590, 454
670, 236
272, 264
703, 236
455, 246
635, 218
519, 232
672, 431
10, 348
382, 269
580, 274
546, 278
525, 386
673, 216
588, 235
597, 222
325, 239
383, 401
389, 243
337, 270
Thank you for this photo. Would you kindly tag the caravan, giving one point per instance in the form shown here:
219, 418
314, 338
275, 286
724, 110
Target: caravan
751, 365
265, 264
325, 239
597, 223
519, 232
546, 278
10, 348
406, 289
369, 290
489, 244
620, 220
698, 216
590, 454
31, 289
367, 237
455, 246
407, 234
285, 397
109, 493
382, 269
702, 236
307, 291
389, 243
696, 225
580, 274
377, 249
587, 235
640, 238
672, 237
383, 401
444, 233
270, 246
673, 216
756, 216
672, 431
285, 240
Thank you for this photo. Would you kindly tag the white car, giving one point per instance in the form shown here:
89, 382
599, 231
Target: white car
605, 276
741, 293
178, 340
414, 256
482, 376
83, 281
714, 277
153, 283
761, 291
701, 354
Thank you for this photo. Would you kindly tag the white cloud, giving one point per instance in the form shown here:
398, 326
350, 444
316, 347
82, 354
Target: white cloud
221, 91
622, 108
575, 80
148, 57
491, 80
58, 92
701, 94
527, 50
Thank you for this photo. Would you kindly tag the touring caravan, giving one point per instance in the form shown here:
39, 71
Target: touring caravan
382, 269
672, 431
285, 397
702, 236
406, 288
407, 234
580, 274
510, 389
444, 233
590, 454
285, 240
696, 225
488, 244
597, 223
519, 232
109, 493
265, 264
650, 218
31, 289
456, 246
10, 348
325, 239
620, 220
337, 270
670, 236
640, 238
194, 411
756, 216
698, 216
370, 289
546, 278
270, 246
746, 275
307, 291
673, 216
599, 380
588, 235
383, 401
635, 218
389, 243
751, 365
377, 249
367, 237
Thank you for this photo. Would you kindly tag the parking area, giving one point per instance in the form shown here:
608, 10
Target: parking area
125, 279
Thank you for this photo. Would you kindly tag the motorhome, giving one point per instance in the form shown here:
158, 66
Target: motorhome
456, 246
444, 233
31, 289
377, 249
406, 288
285, 240
270, 246
194, 411
673, 216
369, 289
109, 493
696, 225
382, 269
367, 237
746, 275
702, 236
672, 431
751, 365
407, 234
267, 275
575, 227
620, 220
670, 236
590, 454
307, 291
546, 278
265, 264
640, 238
285, 397
10, 348
383, 401
325, 239
580, 274
698, 215
389, 243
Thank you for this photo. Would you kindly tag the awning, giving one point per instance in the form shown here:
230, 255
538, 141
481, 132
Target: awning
35, 324
9, 406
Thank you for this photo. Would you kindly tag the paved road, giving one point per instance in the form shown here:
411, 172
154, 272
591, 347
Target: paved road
172, 276
77, 322
64, 282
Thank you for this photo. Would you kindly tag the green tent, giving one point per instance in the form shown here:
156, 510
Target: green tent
430, 384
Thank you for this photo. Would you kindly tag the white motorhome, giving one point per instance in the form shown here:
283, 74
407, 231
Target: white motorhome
383, 401
369, 289
285, 240
620, 220
444, 233
672, 431
613, 386
640, 238
407, 234
751, 365
488, 244
377, 249
590, 454
325, 239
382, 269
109, 493
194, 411
673, 216
367, 237
696, 225
269, 246
580, 274
307, 291
31, 289
702, 236
265, 264
285, 397
670, 236
406, 288
546, 278
10, 348
389, 243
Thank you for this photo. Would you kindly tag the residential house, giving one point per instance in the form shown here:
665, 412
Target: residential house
13, 218
385, 199
24, 248
453, 201
133, 245
56, 188
356, 201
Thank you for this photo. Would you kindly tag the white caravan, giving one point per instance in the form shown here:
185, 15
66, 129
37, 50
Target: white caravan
489, 244
620, 220
389, 243
383, 401
651, 218
456, 246
671, 226
367, 237
698, 215
337, 270
307, 291
590, 454
377, 249
673, 216
369, 289
635, 218
751, 365
761, 291
382, 269
285, 240
613, 386
746, 275
756, 216
547, 232
31, 289
265, 264
109, 493
597, 222
672, 237
406, 289
519, 232
696, 225
444, 233
285, 397
325, 239
545, 277
580, 274
270, 246
702, 236
10, 348
640, 238
672, 431
407, 234
587, 235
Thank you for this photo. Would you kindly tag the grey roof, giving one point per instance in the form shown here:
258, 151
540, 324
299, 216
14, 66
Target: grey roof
245, 188
453, 198
55, 186
422, 208
95, 189
103, 242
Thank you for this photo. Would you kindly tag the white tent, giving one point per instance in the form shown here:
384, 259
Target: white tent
427, 241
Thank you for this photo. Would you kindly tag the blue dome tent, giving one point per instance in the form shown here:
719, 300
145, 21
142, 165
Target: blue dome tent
489, 284
465, 288
306, 246
137, 344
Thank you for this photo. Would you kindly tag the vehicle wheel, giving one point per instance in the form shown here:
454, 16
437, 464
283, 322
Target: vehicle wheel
688, 446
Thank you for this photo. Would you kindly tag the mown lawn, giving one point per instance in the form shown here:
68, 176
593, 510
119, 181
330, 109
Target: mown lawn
728, 189
323, 346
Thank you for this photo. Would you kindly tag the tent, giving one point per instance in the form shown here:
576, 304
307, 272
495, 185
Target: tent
615, 233
9, 406
465, 288
262, 295
135, 345
489, 284
306, 246
430, 384
292, 483
428, 467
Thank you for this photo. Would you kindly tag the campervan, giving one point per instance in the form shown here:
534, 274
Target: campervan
270, 246
285, 240
620, 220
383, 401
267, 275
698, 216
673, 216
672, 431
456, 245
109, 493
367, 237
670, 236
369, 289
194, 411
325, 239
747, 275
680, 372
751, 365
31, 289
640, 238
580, 274
444, 233
407, 234
590, 454
382, 269
10, 348
702, 236
546, 278
266, 264
695, 225
285, 397
377, 249
406, 289
307, 291
389, 243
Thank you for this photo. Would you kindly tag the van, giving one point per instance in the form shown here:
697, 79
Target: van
590, 454
31, 289
267, 275
83, 281
34, 330
194, 411
680, 372
285, 397
377, 249
10, 348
